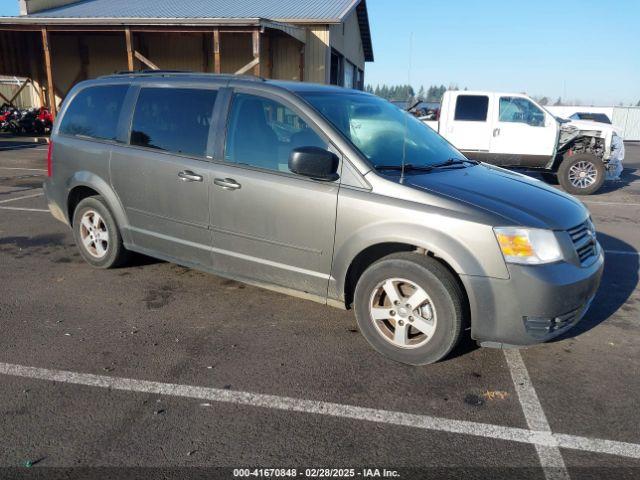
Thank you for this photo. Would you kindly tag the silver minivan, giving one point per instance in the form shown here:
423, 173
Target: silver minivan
327, 194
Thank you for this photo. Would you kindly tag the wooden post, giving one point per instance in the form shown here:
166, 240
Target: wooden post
301, 75
129, 40
216, 51
256, 52
53, 108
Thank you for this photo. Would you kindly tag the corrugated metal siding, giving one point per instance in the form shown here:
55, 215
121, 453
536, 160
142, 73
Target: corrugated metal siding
286, 58
627, 119
349, 43
316, 56
272, 9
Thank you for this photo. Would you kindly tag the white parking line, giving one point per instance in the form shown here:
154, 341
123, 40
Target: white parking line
549, 455
21, 198
612, 203
274, 402
28, 169
25, 209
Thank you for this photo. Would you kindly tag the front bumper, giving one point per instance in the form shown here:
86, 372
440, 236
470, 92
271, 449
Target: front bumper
536, 304
615, 166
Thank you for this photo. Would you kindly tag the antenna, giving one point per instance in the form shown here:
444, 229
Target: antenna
406, 118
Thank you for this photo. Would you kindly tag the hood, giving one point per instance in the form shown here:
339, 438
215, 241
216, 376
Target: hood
520, 200
590, 126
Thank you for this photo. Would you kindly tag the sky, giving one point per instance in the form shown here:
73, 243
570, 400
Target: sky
585, 50
582, 50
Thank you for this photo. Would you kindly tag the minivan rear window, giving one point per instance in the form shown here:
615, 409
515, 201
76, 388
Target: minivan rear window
472, 108
94, 112
174, 120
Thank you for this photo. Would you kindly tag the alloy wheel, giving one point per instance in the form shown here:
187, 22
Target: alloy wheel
583, 174
94, 234
403, 313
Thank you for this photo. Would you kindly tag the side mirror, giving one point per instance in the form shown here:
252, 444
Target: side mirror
314, 162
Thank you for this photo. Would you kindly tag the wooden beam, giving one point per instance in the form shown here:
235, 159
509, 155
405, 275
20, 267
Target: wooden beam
217, 64
256, 52
129, 40
301, 74
146, 61
252, 64
53, 108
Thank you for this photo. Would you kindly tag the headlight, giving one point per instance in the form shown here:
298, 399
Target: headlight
529, 246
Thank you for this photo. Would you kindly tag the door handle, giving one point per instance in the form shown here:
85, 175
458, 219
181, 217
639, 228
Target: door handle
189, 176
496, 132
227, 183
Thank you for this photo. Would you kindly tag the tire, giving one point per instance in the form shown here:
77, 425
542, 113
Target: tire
549, 177
441, 315
572, 167
97, 235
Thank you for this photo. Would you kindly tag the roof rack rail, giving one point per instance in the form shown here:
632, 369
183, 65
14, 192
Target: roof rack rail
147, 72
229, 76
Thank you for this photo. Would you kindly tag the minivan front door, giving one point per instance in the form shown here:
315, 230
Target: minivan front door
163, 178
270, 226
523, 134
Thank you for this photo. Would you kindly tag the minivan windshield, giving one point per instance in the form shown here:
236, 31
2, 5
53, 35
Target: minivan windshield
383, 133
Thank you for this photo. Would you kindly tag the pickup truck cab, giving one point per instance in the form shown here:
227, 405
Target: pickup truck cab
512, 130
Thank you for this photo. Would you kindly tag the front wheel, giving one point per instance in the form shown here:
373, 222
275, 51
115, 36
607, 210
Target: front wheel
581, 174
410, 308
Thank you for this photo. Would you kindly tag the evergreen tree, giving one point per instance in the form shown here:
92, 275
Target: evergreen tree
558, 102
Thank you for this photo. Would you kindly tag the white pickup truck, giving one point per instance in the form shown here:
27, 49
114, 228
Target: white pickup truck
512, 130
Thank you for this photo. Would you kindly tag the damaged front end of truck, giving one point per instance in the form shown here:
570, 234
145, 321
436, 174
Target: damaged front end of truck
583, 137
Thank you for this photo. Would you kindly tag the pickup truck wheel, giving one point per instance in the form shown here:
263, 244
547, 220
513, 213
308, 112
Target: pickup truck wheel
409, 308
581, 174
96, 234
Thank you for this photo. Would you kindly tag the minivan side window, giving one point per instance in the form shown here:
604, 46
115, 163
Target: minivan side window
175, 120
472, 108
262, 132
94, 112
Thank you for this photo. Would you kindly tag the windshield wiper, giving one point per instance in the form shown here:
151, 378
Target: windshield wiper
407, 168
455, 161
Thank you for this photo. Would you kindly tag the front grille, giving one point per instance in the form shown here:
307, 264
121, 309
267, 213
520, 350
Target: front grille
584, 240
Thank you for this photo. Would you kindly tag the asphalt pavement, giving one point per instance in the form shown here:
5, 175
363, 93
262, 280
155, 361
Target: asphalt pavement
152, 366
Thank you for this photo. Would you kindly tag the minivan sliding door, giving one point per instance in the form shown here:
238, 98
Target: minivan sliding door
163, 176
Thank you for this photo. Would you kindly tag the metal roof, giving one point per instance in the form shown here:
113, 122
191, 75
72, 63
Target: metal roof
204, 13
283, 10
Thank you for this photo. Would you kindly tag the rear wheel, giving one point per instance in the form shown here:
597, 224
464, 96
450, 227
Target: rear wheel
97, 235
410, 308
581, 174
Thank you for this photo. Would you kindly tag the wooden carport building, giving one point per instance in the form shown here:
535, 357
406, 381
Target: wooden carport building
57, 43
